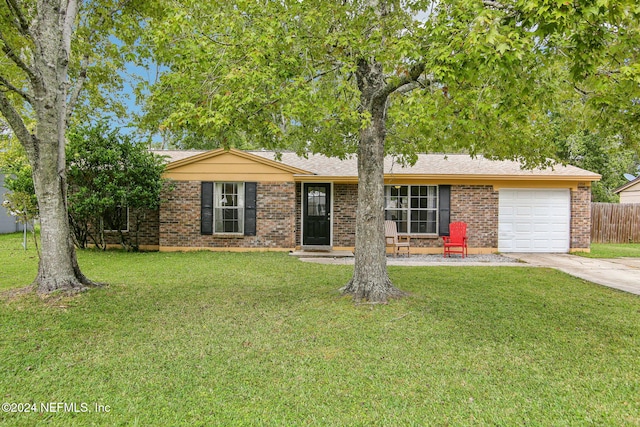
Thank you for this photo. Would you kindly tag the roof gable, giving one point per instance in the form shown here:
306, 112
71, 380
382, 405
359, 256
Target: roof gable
229, 165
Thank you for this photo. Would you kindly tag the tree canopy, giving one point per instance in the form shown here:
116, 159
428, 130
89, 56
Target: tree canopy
282, 74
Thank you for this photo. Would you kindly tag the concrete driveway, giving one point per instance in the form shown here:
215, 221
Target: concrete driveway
618, 273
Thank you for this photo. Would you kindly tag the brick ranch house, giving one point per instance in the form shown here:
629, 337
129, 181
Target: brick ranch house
235, 200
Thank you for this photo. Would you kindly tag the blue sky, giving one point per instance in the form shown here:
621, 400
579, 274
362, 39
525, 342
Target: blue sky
131, 75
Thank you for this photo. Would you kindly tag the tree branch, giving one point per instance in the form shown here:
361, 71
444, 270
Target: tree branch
580, 91
218, 42
409, 79
278, 99
496, 5
4, 82
67, 28
63, 57
15, 121
493, 4
6, 48
408, 87
22, 24
77, 89
323, 73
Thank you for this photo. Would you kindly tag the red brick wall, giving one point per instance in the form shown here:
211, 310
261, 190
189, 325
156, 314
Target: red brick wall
298, 214
275, 221
275, 218
148, 237
581, 217
345, 200
149, 227
180, 214
477, 205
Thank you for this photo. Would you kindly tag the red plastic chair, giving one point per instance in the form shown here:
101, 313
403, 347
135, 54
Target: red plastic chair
456, 241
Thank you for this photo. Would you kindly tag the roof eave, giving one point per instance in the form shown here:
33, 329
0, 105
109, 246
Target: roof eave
451, 177
499, 177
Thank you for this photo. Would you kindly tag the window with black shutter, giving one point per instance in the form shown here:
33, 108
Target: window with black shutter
250, 193
444, 209
206, 209
228, 208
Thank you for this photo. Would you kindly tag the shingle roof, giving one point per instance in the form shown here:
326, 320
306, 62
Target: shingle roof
175, 155
427, 164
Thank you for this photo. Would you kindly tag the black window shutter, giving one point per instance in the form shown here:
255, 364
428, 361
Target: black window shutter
444, 203
206, 209
250, 193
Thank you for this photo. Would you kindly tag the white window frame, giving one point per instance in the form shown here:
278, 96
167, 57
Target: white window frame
401, 202
221, 200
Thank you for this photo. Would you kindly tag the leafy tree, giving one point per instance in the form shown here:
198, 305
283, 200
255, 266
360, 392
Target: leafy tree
187, 140
601, 112
374, 77
602, 154
22, 197
14, 163
108, 171
595, 123
51, 49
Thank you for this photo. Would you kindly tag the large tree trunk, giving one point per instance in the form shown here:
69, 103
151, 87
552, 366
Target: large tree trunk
58, 268
370, 281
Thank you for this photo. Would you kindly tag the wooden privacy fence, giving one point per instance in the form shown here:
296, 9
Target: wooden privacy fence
615, 223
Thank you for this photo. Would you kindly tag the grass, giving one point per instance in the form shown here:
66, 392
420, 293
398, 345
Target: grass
613, 250
263, 339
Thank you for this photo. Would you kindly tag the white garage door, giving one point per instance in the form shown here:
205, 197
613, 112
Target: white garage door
534, 220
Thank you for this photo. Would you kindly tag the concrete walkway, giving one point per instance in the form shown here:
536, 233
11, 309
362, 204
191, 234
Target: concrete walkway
618, 273
420, 261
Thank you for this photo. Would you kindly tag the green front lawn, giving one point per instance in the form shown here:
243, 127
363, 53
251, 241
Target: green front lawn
263, 339
612, 250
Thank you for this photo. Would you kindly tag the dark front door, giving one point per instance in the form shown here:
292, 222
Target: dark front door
316, 215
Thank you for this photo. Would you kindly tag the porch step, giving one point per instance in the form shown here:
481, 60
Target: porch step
322, 254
